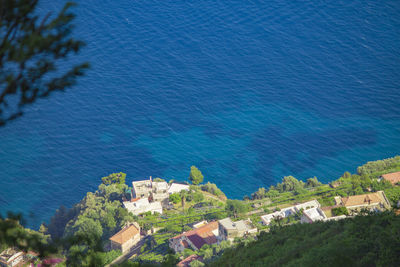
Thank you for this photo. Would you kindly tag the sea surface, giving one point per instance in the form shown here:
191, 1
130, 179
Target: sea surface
247, 91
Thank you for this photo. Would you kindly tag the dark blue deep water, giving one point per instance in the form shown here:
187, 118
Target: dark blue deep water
248, 91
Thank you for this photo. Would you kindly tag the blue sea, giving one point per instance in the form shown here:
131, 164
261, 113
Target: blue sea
247, 91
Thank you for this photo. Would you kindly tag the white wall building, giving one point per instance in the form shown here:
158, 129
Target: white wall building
143, 205
313, 215
289, 211
176, 188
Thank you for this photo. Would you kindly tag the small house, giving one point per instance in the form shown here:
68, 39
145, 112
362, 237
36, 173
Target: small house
373, 201
142, 205
196, 238
125, 239
313, 215
155, 191
228, 229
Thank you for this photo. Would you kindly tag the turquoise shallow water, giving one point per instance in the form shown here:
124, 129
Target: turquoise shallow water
246, 91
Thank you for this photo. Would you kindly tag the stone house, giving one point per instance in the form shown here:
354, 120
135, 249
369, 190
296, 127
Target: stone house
228, 229
154, 191
125, 239
373, 201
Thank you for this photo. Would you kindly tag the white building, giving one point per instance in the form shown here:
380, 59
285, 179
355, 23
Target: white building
125, 239
143, 205
313, 215
307, 205
289, 211
176, 188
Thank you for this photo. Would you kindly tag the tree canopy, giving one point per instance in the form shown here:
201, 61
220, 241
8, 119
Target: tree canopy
114, 178
196, 177
235, 207
32, 48
289, 183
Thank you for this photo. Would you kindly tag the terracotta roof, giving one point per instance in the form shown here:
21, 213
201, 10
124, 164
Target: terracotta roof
125, 234
362, 199
393, 177
186, 262
201, 236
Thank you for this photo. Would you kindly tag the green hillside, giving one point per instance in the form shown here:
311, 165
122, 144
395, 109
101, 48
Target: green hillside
361, 241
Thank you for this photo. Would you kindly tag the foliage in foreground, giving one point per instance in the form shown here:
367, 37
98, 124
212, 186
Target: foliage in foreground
32, 47
372, 240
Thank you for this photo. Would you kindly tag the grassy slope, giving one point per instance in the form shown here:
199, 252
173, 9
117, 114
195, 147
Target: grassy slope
362, 241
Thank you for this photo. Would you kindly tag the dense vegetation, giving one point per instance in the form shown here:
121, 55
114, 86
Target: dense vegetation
85, 228
361, 241
376, 168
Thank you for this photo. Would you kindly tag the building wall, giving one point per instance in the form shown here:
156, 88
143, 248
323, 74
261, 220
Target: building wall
305, 219
127, 245
176, 244
222, 232
192, 246
115, 246
372, 207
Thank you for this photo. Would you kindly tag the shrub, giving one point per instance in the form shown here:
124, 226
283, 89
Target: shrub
198, 197
175, 198
340, 211
212, 189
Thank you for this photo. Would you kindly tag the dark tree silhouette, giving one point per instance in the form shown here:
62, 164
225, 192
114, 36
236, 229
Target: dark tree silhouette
32, 48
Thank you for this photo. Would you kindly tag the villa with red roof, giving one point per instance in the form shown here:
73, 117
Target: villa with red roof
195, 238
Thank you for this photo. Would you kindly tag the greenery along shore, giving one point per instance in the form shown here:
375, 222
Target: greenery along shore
80, 234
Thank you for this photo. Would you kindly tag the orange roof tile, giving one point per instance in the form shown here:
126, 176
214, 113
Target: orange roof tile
393, 177
125, 234
362, 199
186, 262
202, 235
